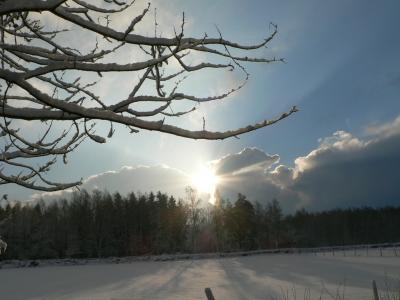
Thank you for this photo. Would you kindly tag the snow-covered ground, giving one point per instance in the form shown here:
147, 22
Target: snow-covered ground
266, 276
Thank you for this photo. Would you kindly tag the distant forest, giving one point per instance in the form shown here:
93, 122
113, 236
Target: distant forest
99, 224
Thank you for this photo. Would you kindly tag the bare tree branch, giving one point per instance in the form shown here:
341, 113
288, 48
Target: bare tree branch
46, 80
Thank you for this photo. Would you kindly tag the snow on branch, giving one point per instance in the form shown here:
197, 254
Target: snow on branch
45, 78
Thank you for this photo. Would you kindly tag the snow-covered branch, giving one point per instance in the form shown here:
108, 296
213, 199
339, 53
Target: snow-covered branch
44, 79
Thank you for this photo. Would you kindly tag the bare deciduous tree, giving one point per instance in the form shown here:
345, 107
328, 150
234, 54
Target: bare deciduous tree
51, 83
193, 216
3, 246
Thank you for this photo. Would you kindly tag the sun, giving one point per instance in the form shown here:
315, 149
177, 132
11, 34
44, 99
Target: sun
205, 181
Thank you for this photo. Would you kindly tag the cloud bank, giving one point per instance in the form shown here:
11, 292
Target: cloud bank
343, 171
142, 179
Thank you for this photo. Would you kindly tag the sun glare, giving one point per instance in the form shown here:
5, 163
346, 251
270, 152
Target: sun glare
205, 181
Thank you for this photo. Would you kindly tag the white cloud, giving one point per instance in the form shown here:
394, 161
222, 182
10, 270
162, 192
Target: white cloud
142, 179
331, 147
387, 129
248, 160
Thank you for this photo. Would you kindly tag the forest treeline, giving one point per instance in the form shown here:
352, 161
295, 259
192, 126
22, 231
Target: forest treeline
99, 224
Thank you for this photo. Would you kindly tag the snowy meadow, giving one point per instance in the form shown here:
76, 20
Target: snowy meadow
267, 276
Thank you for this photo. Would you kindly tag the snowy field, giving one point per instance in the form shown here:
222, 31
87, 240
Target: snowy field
267, 276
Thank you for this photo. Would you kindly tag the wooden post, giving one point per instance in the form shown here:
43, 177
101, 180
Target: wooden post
210, 295
375, 290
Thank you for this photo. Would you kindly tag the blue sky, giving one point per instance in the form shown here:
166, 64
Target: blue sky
342, 71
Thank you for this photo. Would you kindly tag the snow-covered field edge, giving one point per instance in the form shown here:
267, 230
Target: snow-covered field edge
383, 250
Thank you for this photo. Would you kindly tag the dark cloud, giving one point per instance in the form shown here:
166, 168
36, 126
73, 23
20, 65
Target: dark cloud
349, 172
248, 172
343, 171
